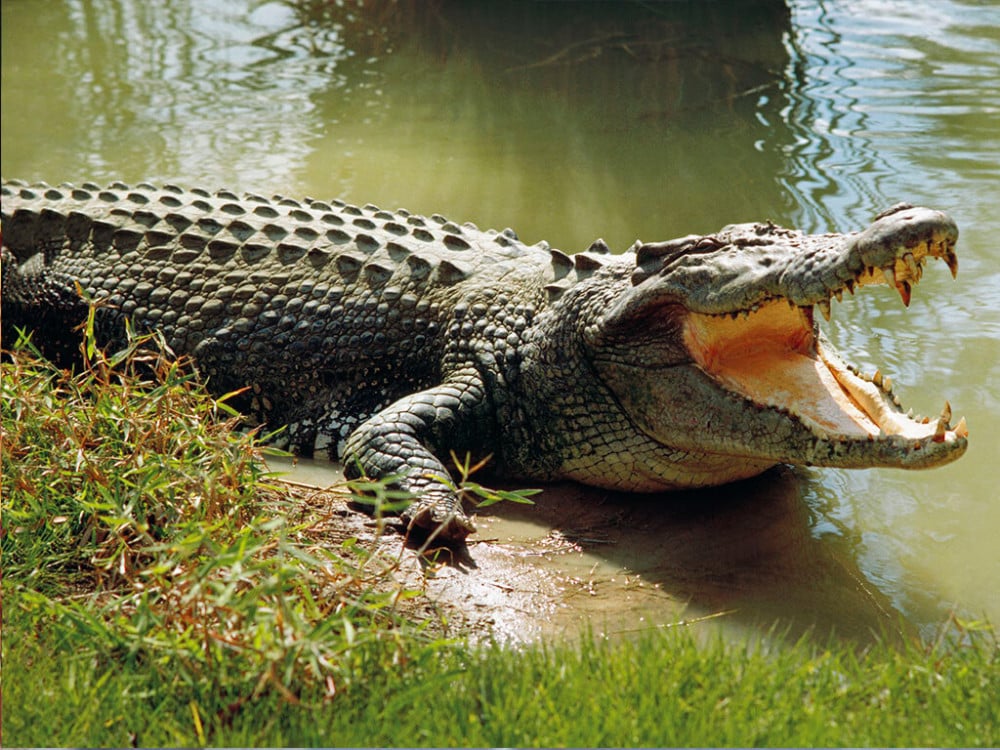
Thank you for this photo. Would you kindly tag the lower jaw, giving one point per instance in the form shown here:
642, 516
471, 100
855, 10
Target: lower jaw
843, 419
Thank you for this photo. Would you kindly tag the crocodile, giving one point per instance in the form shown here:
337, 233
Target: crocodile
391, 340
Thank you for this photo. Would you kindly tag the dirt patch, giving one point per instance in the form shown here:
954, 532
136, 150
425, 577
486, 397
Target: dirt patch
743, 557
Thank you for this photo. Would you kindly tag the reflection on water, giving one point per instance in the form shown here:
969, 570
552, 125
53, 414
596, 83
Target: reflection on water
163, 89
619, 121
572, 121
749, 550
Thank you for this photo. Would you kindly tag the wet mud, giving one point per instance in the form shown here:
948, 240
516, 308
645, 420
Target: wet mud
742, 559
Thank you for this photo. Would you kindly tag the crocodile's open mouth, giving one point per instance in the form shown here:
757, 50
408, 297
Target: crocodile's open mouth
775, 357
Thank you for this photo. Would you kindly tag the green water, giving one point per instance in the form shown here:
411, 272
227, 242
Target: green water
572, 121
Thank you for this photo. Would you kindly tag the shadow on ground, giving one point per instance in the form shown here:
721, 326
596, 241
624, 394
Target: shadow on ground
744, 558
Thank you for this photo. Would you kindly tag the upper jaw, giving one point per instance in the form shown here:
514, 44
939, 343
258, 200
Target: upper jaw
899, 242
745, 265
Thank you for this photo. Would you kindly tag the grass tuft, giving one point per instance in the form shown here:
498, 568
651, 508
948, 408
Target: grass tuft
140, 533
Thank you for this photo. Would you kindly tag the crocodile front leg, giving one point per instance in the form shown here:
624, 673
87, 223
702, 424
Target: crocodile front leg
403, 438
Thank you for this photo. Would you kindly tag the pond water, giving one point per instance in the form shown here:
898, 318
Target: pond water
572, 121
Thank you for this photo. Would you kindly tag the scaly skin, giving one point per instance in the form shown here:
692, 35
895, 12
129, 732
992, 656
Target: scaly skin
391, 340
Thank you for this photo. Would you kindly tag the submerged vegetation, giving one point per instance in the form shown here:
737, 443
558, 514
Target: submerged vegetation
160, 588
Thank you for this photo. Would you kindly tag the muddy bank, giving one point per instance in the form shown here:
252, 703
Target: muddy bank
741, 558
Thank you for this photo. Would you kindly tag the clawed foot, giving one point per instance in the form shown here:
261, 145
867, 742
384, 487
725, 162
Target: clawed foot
442, 521
434, 519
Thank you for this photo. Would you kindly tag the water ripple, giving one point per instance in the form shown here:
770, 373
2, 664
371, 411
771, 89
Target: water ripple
869, 88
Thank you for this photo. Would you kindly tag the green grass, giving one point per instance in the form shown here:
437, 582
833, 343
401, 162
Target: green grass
158, 589
662, 689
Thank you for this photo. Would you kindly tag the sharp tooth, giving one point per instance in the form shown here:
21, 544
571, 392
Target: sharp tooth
952, 260
877, 378
887, 384
909, 413
946, 412
962, 429
850, 285
911, 265
839, 295
824, 307
890, 275
904, 291
940, 430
